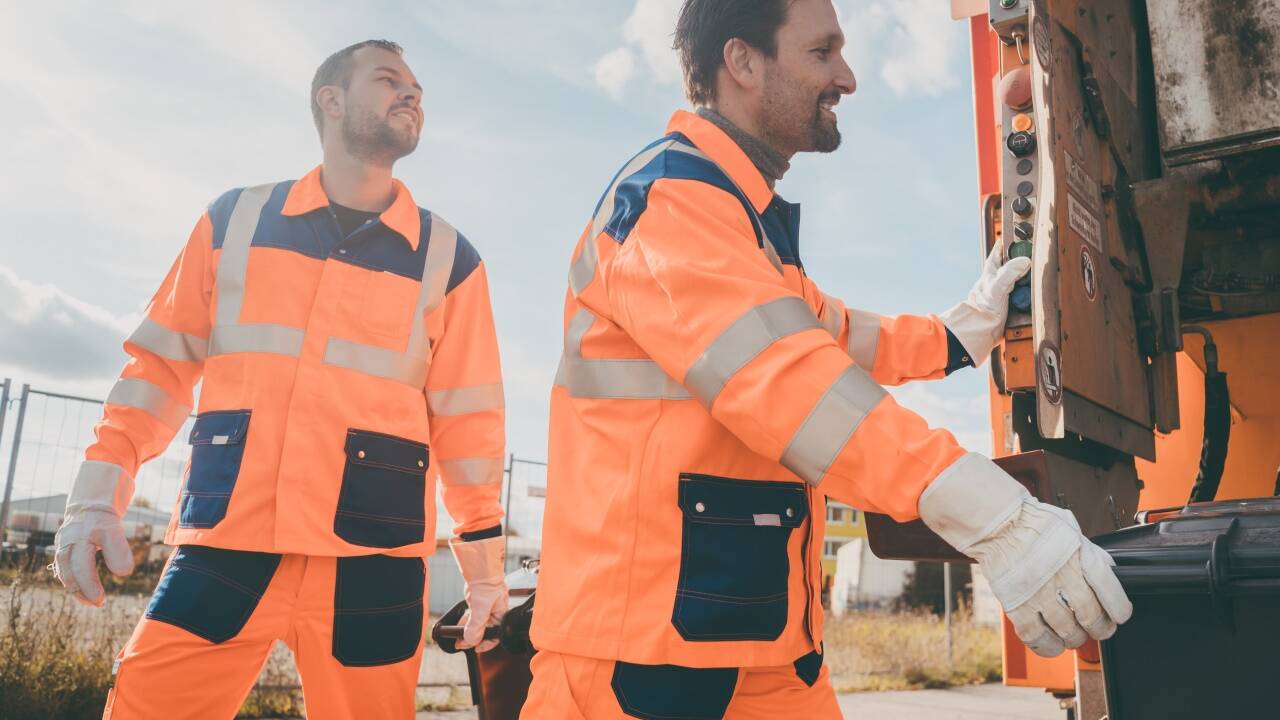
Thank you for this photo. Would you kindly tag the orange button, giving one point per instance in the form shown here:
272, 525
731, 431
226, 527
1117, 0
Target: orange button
1021, 122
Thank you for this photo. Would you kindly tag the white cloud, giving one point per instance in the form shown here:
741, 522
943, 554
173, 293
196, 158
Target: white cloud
645, 33
914, 44
966, 418
614, 69
55, 335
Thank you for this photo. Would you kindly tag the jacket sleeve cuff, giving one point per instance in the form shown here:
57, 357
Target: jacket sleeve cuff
484, 534
957, 356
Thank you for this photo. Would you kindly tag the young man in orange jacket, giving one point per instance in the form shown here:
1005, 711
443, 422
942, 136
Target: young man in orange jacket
710, 398
345, 344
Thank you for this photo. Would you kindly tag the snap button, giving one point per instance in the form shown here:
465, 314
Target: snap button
360, 454
700, 507
421, 464
790, 512
342, 251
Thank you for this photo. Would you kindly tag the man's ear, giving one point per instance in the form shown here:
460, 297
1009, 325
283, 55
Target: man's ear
331, 101
743, 63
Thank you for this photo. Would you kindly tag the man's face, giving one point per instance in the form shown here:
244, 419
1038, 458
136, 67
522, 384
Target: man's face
382, 112
805, 80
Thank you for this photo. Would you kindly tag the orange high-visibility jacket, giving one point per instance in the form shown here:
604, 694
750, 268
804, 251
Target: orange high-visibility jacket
708, 399
341, 378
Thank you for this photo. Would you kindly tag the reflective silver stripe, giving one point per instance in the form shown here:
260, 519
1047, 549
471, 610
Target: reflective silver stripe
471, 471
169, 344
100, 486
618, 379
832, 315
228, 334
233, 262
140, 394
465, 400
743, 340
583, 270
377, 361
261, 338
864, 338
831, 423
408, 367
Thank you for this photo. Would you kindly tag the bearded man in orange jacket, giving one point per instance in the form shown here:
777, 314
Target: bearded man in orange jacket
345, 345
710, 398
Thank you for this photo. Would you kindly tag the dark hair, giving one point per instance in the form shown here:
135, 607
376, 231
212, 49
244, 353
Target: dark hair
706, 25
336, 70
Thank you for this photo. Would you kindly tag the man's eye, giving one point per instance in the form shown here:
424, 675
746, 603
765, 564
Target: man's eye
822, 53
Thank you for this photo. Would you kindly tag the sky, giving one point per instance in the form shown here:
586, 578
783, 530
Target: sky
123, 121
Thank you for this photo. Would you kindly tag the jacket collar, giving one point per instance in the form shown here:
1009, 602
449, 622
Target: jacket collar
402, 217
724, 152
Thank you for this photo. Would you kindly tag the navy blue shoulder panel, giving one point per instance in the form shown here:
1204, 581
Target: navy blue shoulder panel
782, 224
465, 260
632, 195
220, 214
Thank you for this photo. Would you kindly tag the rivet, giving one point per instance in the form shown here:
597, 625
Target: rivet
421, 464
360, 454
790, 512
342, 251
700, 507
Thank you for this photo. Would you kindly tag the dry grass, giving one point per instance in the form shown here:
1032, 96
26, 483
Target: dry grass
56, 655
906, 650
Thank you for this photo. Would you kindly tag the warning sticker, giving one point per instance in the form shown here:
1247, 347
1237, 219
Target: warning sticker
1084, 222
1088, 275
1083, 185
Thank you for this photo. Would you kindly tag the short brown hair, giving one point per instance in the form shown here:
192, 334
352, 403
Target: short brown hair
706, 25
336, 70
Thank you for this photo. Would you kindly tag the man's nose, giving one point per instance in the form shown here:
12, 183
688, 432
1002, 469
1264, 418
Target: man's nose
845, 80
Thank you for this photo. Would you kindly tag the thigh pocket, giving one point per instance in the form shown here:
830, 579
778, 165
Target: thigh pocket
217, 449
377, 609
733, 562
211, 592
383, 491
671, 692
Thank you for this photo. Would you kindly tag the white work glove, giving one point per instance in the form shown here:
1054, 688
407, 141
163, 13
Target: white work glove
978, 322
92, 523
482, 563
1055, 585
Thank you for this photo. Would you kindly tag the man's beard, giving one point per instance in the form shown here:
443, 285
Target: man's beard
784, 126
373, 140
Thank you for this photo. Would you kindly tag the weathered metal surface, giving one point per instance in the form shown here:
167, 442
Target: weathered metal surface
1217, 75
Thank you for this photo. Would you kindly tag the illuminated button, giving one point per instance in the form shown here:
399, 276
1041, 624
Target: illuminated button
1021, 122
1022, 248
1022, 206
1021, 143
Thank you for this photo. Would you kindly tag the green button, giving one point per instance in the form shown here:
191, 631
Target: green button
1006, 4
1022, 248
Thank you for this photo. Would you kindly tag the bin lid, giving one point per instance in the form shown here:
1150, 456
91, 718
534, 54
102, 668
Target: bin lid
1230, 547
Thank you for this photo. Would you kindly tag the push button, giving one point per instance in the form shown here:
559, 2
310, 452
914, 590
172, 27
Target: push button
1021, 144
1022, 206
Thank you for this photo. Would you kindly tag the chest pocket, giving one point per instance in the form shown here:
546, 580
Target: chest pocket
385, 303
734, 560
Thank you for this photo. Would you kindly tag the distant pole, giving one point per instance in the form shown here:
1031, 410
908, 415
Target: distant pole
506, 530
13, 456
946, 604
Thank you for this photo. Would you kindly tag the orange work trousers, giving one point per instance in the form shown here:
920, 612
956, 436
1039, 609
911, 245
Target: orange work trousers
568, 687
354, 625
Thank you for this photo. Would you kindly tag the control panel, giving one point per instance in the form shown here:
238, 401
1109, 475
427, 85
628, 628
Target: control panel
1010, 20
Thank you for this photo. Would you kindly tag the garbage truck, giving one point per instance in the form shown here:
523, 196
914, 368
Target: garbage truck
1131, 149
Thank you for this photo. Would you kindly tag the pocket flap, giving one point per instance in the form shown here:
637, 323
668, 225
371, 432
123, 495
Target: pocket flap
220, 427
713, 499
365, 447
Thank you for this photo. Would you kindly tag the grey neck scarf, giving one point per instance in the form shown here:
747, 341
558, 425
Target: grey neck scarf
771, 163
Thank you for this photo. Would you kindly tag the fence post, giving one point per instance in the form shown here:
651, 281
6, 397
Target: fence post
4, 406
13, 456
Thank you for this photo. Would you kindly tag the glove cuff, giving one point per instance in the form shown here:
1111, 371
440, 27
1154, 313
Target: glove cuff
100, 486
976, 330
480, 560
970, 501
